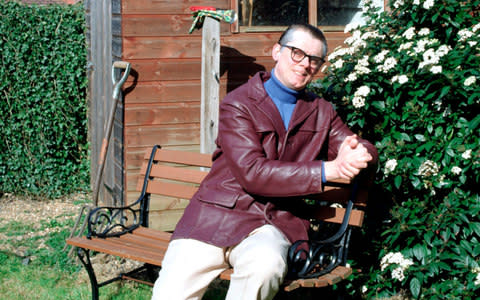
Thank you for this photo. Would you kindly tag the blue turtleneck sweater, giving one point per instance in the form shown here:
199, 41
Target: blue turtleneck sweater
283, 97
285, 100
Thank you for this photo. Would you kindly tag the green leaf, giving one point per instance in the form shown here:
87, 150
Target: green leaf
420, 137
429, 128
475, 226
450, 152
415, 287
416, 182
473, 124
398, 181
444, 266
476, 250
419, 251
438, 131
380, 105
445, 90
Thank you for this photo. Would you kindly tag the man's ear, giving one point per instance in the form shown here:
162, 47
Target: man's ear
276, 51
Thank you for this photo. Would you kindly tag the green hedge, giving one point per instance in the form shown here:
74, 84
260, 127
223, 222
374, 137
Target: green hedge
43, 124
408, 80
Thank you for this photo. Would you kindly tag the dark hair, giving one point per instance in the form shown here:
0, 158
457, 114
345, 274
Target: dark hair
287, 35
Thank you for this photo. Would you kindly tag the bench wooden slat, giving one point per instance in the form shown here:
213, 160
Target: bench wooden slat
180, 174
341, 195
171, 189
182, 157
335, 215
123, 245
165, 220
109, 247
172, 173
153, 234
145, 242
335, 276
342, 271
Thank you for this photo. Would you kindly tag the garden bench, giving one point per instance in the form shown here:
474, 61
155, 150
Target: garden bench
168, 177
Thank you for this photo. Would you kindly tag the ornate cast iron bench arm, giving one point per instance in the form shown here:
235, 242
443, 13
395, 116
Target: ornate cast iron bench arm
313, 258
115, 221
108, 221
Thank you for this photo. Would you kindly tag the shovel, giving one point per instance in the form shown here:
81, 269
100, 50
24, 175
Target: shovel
117, 85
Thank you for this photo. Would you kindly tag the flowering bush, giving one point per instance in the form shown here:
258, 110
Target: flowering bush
409, 81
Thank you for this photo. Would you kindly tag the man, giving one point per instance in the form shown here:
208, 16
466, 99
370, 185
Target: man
272, 139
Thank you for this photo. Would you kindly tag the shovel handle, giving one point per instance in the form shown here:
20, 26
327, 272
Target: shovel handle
117, 85
121, 64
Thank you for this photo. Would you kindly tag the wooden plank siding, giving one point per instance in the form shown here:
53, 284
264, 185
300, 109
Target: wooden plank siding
162, 101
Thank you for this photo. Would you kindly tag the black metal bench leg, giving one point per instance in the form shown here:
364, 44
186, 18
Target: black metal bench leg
152, 273
84, 256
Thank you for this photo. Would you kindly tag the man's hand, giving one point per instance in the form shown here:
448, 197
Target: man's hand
352, 157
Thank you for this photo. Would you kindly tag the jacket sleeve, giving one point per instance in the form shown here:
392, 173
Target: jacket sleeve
241, 145
337, 134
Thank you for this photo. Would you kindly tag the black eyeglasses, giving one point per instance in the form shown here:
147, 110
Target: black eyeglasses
298, 55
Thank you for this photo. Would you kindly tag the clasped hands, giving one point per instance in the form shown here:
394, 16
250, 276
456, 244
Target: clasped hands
351, 159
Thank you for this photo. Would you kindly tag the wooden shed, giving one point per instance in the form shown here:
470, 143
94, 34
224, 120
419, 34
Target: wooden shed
161, 99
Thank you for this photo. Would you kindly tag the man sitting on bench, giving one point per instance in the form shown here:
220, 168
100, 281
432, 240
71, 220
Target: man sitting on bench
276, 143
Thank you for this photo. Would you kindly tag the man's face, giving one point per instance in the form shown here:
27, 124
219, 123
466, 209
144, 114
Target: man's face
296, 75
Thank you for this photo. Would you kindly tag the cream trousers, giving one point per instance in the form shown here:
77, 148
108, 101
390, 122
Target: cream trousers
259, 266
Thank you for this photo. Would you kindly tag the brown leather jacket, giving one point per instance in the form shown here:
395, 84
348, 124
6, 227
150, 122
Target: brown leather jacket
260, 170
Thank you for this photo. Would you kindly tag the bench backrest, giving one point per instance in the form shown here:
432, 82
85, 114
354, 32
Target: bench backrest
175, 176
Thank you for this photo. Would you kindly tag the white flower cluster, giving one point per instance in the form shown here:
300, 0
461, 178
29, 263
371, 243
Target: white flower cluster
362, 66
358, 100
470, 81
427, 4
467, 34
338, 63
339, 51
351, 26
351, 77
409, 33
356, 41
467, 154
397, 259
477, 279
380, 57
432, 57
428, 168
400, 79
398, 3
456, 170
388, 65
406, 46
390, 166
424, 31
422, 45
